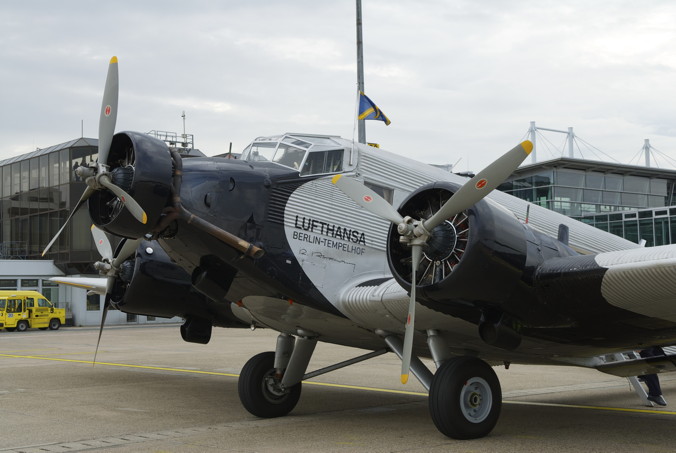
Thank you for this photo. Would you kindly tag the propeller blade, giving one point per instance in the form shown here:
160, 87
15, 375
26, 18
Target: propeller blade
87, 193
126, 199
106, 305
102, 243
367, 199
108, 116
481, 185
416, 256
128, 248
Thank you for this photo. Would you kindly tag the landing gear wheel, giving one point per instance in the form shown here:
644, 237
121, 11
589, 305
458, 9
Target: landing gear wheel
54, 324
22, 326
465, 398
260, 391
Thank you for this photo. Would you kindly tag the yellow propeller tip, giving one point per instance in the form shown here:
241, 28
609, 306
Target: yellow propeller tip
113, 60
145, 219
404, 378
336, 178
527, 146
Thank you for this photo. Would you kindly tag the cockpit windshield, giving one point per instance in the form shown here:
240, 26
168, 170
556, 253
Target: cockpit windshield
309, 154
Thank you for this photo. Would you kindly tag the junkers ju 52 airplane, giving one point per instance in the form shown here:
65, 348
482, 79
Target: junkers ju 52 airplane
324, 239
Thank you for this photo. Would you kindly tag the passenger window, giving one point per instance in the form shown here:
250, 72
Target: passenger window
323, 162
385, 192
14, 306
30, 302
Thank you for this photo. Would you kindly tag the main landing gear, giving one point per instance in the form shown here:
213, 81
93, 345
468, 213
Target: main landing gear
465, 398
464, 394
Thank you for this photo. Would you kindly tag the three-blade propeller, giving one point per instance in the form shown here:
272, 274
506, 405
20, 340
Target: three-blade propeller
416, 233
96, 175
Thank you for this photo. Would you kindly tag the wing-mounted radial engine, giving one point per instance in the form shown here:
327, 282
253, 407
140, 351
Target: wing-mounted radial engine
143, 280
150, 283
141, 166
461, 252
436, 228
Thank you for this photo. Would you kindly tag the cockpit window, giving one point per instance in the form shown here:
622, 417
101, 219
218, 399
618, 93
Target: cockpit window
289, 156
283, 153
322, 162
260, 152
309, 154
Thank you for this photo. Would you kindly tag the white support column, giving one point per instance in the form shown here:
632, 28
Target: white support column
646, 151
571, 142
533, 136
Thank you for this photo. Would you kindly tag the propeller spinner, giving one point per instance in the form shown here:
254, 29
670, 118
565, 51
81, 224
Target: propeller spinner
416, 233
96, 175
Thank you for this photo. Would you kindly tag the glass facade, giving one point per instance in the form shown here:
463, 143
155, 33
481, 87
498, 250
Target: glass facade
656, 226
627, 201
577, 193
37, 192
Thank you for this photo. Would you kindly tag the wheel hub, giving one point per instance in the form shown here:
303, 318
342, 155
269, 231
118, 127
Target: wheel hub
475, 400
272, 388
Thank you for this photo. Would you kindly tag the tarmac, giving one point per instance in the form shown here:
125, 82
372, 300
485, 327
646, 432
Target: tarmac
151, 392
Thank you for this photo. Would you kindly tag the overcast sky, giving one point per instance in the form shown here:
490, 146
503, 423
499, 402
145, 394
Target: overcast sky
460, 79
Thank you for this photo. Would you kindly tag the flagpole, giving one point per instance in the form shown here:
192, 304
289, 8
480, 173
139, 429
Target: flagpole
361, 124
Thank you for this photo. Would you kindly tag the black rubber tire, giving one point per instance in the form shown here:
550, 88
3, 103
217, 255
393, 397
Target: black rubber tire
465, 398
22, 326
254, 393
54, 324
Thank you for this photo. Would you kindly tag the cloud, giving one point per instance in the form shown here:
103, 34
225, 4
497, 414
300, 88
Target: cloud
458, 79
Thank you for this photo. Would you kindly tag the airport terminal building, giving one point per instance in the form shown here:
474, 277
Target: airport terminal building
634, 202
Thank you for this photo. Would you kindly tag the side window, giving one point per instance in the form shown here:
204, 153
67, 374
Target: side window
323, 162
44, 303
385, 192
14, 306
30, 302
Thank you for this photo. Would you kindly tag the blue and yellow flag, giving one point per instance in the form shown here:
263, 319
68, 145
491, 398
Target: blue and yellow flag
369, 111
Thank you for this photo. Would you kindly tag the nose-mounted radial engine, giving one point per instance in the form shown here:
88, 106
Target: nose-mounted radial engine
133, 191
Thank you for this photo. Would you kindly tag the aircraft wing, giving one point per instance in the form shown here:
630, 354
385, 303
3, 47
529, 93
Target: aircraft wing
94, 284
641, 280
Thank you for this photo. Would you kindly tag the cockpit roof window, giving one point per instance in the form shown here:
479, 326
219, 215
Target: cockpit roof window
309, 154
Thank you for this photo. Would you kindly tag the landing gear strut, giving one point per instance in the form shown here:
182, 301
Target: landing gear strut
464, 394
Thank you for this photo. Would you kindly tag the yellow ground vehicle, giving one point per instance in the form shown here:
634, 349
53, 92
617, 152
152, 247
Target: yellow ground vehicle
20, 310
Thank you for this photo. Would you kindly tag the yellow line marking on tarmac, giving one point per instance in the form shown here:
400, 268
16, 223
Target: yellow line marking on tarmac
123, 365
343, 386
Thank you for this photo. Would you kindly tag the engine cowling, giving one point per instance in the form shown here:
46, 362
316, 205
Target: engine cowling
149, 283
142, 166
474, 259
